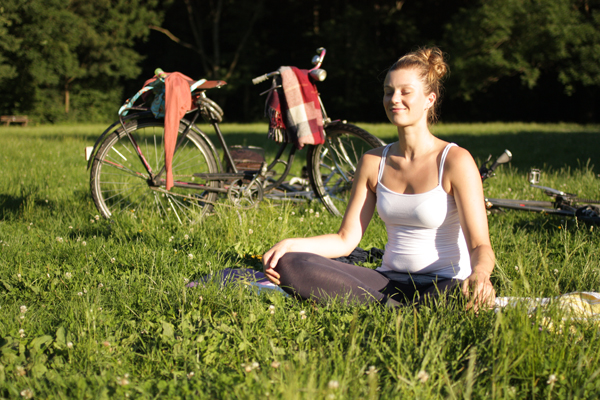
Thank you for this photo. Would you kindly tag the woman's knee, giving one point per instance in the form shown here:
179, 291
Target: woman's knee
290, 262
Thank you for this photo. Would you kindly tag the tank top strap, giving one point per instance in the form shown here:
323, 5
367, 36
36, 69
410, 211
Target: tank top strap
443, 160
382, 162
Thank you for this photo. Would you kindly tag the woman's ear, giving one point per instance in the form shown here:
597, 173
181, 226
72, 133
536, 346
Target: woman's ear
430, 100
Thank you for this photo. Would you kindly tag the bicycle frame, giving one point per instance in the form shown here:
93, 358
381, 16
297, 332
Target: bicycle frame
564, 204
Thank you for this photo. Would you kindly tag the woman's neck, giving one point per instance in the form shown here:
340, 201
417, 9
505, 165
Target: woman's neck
415, 141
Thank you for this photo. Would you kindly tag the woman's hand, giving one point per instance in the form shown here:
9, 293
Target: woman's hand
271, 258
478, 289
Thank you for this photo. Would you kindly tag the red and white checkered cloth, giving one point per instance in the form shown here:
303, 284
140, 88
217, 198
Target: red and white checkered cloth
299, 112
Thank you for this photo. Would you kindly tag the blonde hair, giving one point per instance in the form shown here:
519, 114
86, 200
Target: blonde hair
429, 62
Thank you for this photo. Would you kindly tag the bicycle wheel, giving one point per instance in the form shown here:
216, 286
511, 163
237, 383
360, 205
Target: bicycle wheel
331, 165
121, 184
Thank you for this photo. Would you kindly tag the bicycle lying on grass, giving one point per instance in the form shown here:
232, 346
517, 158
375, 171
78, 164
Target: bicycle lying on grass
128, 174
565, 204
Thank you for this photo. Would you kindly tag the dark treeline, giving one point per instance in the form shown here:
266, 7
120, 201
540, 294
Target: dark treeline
525, 60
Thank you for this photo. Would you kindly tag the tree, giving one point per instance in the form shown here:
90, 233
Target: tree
527, 38
218, 31
71, 45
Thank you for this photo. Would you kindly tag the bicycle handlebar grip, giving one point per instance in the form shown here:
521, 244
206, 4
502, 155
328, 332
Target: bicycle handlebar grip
260, 79
159, 73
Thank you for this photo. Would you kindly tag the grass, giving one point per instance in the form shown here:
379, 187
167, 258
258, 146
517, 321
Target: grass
97, 309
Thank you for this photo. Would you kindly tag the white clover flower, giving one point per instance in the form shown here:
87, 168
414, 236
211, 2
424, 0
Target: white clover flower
92, 220
84, 243
70, 345
190, 375
112, 260
22, 333
556, 271
317, 214
311, 211
68, 275
59, 239
191, 256
293, 213
79, 294
516, 267
186, 237
422, 376
19, 276
301, 219
23, 309
271, 307
333, 384
275, 364
186, 280
84, 290
96, 217
171, 239
100, 285
279, 218
372, 370
552, 379
122, 381
70, 227
302, 312
27, 393
250, 231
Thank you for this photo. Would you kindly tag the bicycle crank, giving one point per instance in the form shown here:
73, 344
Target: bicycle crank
245, 195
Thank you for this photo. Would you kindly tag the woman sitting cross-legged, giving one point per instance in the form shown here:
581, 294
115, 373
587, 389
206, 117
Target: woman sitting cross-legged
428, 192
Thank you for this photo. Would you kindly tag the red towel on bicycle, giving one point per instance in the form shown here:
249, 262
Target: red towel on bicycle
178, 101
300, 108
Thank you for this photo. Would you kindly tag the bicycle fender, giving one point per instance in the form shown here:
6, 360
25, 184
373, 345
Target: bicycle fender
108, 130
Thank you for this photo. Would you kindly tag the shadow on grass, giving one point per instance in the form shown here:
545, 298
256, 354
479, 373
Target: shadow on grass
548, 150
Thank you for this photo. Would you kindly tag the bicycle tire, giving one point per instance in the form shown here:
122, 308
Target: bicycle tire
121, 184
331, 165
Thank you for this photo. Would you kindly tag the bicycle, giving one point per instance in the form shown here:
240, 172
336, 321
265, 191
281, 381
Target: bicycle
565, 204
127, 170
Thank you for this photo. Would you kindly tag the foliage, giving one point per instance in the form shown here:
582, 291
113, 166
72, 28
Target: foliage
492, 40
70, 49
99, 309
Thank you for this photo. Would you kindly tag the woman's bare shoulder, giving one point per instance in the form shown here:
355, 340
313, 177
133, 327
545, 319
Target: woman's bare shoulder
458, 158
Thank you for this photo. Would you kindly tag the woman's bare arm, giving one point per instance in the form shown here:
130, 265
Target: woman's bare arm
467, 189
356, 219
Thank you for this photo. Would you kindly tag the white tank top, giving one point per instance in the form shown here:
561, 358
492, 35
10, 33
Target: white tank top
424, 233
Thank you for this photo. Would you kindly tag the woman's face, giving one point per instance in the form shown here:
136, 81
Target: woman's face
404, 98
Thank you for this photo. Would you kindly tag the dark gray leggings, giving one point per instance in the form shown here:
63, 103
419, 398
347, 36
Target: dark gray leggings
310, 276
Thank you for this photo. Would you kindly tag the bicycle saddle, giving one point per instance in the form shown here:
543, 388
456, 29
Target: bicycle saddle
211, 85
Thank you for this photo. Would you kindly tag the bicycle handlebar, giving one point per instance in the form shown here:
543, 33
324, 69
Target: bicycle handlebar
317, 61
262, 78
486, 172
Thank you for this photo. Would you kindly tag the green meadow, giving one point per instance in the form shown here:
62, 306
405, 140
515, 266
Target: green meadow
95, 309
